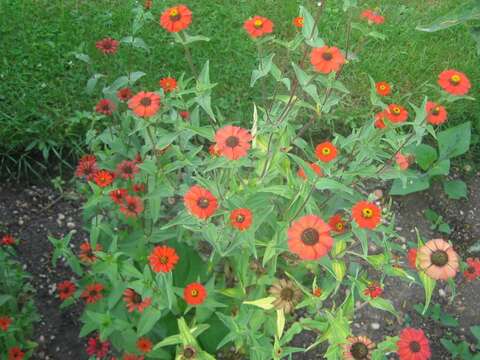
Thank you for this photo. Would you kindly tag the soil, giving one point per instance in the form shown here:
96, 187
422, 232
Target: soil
33, 213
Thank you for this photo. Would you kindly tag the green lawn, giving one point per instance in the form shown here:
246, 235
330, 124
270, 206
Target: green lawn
42, 84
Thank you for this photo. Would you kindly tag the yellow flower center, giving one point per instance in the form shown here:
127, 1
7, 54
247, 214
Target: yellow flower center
436, 110
339, 226
367, 213
194, 292
326, 151
258, 23
301, 21
455, 79
396, 110
174, 12
382, 87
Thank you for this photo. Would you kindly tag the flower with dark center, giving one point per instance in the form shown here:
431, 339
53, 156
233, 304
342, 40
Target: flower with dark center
194, 294
358, 348
134, 301
473, 269
309, 238
413, 345
241, 218
396, 113
163, 258
327, 59
176, 18
436, 114
233, 142
287, 295
326, 151
438, 259
366, 214
200, 202
454, 82
145, 104
258, 26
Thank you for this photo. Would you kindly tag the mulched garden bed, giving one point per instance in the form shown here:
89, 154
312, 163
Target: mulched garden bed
32, 213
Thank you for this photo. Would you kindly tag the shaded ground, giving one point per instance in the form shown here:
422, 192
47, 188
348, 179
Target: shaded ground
33, 213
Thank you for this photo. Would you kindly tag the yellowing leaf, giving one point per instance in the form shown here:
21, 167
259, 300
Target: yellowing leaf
264, 303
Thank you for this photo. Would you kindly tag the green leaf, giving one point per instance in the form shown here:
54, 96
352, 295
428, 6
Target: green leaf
440, 168
148, 320
280, 323
308, 25
263, 69
428, 286
329, 184
454, 141
425, 156
191, 39
463, 13
92, 82
264, 303
412, 185
455, 189
384, 304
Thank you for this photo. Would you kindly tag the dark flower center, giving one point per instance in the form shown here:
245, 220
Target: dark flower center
339, 226
455, 79
127, 169
194, 293
415, 347
310, 236
471, 270
240, 218
327, 56
203, 203
164, 260
359, 351
137, 298
396, 110
107, 45
175, 14
286, 294
436, 110
146, 101
232, 141
439, 258
367, 213
93, 293
189, 353
132, 207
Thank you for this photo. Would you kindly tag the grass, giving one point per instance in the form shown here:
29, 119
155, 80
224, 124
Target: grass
42, 87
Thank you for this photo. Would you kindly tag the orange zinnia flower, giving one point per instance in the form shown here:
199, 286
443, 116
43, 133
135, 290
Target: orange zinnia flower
145, 104
176, 18
132, 206
438, 259
327, 59
134, 301
103, 178
298, 22
413, 345
373, 17
194, 294
317, 169
396, 113
412, 258
200, 202
168, 84
105, 107
233, 142
383, 88
309, 238
213, 150
241, 218
380, 120
373, 290
144, 345
436, 114
87, 254
317, 292
118, 195
359, 347
5, 322
92, 293
326, 151
454, 82
337, 224
66, 289
258, 26
163, 259
366, 214
403, 161
473, 269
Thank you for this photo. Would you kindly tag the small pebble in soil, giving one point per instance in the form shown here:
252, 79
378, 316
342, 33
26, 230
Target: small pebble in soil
375, 326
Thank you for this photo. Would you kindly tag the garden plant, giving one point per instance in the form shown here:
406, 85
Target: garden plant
209, 235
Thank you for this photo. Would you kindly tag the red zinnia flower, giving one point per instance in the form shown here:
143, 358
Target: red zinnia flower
124, 94
454, 82
402, 161
412, 258
134, 301
132, 206
127, 169
396, 113
103, 178
309, 238
145, 104
473, 269
118, 195
144, 345
92, 293
200, 202
383, 88
133, 357
258, 26
327, 59
373, 290
141, 187
184, 115
97, 348
194, 294
5, 322
107, 45
241, 218
413, 345
87, 254
66, 289
317, 292
15, 353
213, 150
317, 169
326, 151
366, 214
337, 223
176, 18
8, 240
105, 106
163, 259
233, 142
87, 167
298, 22
380, 120
372, 17
436, 114
168, 84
